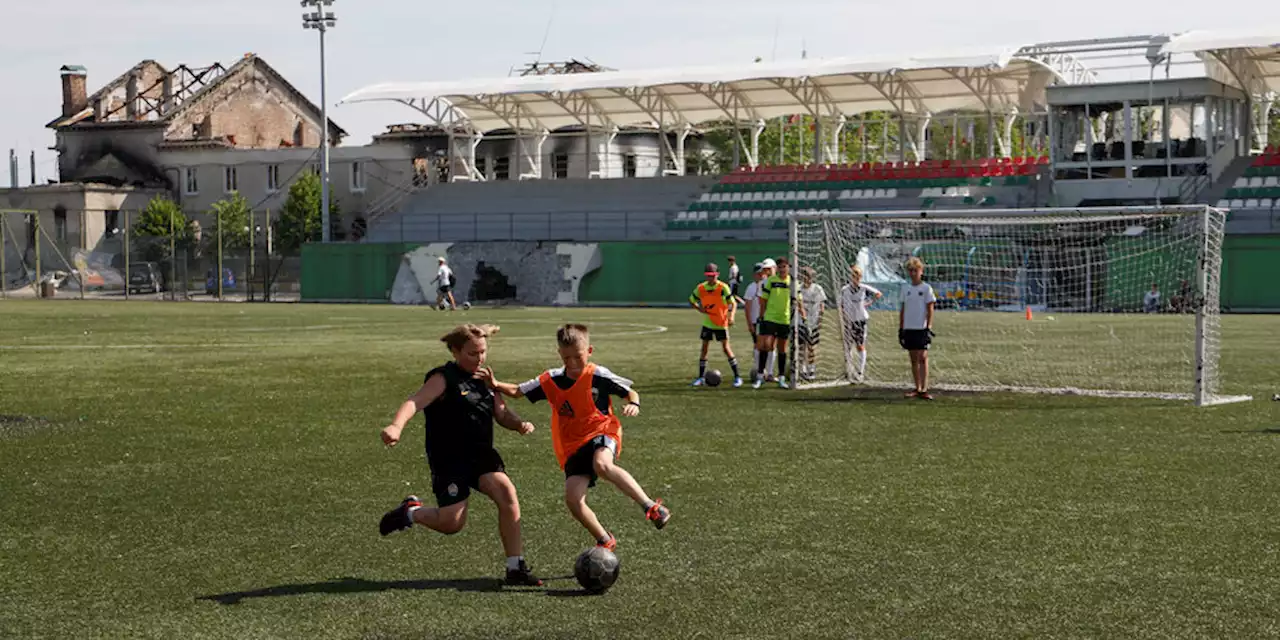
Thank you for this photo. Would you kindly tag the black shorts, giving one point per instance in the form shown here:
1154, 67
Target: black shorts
807, 336
582, 462
857, 332
916, 339
719, 335
445, 290
774, 329
453, 480
733, 289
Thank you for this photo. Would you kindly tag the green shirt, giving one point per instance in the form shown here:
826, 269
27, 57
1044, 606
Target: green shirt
776, 294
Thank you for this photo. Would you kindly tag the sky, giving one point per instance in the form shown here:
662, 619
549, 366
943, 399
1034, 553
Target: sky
403, 40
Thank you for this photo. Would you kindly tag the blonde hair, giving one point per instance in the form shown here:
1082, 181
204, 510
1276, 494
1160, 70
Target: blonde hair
462, 334
915, 263
856, 270
573, 335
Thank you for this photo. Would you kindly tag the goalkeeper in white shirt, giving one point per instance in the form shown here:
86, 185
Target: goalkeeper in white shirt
855, 298
812, 299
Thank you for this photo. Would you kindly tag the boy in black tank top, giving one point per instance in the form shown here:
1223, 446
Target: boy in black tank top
460, 410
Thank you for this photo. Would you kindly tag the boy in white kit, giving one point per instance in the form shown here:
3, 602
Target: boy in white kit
915, 326
855, 297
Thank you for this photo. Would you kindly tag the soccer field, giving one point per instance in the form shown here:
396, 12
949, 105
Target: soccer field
204, 470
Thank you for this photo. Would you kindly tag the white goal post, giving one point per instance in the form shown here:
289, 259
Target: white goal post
1112, 301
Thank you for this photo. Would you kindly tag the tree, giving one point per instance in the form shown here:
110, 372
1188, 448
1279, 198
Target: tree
161, 218
300, 221
232, 214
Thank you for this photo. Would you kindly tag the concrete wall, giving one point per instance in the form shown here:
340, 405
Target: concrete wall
72, 216
386, 168
78, 149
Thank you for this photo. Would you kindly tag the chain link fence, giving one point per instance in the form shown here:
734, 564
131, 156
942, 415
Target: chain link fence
122, 255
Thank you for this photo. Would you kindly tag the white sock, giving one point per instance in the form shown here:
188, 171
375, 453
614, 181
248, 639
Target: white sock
755, 359
411, 510
513, 562
862, 362
773, 355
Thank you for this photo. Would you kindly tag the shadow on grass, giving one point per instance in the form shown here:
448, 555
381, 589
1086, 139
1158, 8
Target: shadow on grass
341, 586
1268, 431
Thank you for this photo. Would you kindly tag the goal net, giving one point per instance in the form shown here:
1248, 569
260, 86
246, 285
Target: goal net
1109, 301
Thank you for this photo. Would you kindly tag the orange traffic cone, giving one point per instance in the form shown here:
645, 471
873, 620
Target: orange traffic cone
1028, 313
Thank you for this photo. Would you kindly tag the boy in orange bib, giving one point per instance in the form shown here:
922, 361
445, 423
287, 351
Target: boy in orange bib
585, 431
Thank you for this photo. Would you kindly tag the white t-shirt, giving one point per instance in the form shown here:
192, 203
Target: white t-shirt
752, 294
812, 298
442, 275
1151, 301
915, 302
733, 275
854, 301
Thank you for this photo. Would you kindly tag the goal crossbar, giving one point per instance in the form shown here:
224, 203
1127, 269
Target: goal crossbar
1093, 275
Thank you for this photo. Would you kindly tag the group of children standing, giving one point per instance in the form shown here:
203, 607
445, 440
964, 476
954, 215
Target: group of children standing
769, 303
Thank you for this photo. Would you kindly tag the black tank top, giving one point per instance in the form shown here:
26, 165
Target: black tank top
460, 421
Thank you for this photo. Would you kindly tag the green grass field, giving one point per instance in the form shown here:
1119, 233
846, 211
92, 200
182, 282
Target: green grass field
200, 470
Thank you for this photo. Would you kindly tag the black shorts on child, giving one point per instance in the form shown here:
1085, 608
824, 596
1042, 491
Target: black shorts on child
453, 481
582, 462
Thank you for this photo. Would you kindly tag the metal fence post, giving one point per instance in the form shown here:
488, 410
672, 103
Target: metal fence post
173, 258
4, 278
83, 216
218, 275
126, 254
35, 217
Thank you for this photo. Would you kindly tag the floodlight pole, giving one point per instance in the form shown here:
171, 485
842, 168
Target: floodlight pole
322, 20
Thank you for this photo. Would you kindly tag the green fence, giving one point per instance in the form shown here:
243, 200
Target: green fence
1249, 270
349, 272
665, 272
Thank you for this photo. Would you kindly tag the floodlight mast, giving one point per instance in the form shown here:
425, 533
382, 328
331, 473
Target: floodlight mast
322, 20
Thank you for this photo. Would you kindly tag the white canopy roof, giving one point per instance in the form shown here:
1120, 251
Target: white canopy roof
695, 95
1248, 60
998, 81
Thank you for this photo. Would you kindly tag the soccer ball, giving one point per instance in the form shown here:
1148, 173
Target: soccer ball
442, 306
712, 378
596, 569
466, 306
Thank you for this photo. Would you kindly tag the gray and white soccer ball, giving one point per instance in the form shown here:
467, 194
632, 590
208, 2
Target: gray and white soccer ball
596, 569
466, 306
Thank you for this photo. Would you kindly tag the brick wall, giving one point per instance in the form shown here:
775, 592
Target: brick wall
250, 110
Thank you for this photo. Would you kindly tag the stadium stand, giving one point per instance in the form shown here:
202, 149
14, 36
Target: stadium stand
766, 195
590, 210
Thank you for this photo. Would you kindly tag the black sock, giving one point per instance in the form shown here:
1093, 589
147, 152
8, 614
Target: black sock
782, 363
764, 362
702, 368
733, 364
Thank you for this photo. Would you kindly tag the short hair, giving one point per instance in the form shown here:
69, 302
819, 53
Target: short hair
915, 263
782, 262
732, 259
856, 269
462, 334
573, 335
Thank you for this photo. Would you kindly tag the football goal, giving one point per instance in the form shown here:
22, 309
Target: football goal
1120, 302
